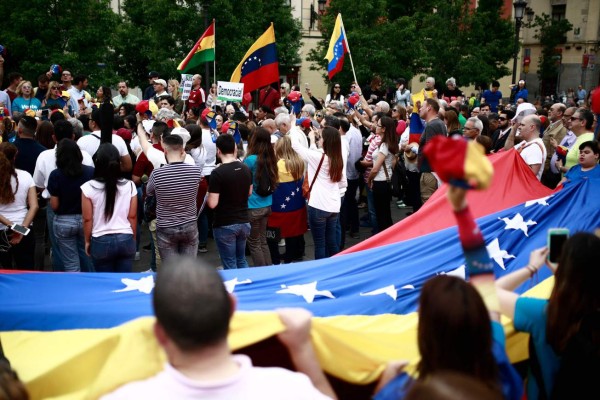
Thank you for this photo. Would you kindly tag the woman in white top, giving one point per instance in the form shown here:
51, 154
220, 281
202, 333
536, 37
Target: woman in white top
380, 177
109, 210
334, 94
324, 158
18, 205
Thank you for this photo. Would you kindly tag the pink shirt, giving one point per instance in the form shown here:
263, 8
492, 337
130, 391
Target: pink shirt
374, 141
249, 383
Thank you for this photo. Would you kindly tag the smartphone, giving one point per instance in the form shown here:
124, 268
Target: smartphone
556, 239
20, 229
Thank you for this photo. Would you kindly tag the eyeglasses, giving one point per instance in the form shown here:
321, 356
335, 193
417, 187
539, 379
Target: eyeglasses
318, 115
55, 88
66, 73
501, 119
575, 118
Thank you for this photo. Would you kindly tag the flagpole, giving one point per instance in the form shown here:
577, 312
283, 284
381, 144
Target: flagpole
215, 59
348, 48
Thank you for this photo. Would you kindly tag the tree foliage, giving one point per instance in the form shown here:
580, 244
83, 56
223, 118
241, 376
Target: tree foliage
441, 38
380, 43
72, 33
551, 33
86, 36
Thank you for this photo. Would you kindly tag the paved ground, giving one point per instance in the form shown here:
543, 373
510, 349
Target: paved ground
213, 255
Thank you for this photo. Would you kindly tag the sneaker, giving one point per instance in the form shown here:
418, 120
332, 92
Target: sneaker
202, 249
137, 256
281, 243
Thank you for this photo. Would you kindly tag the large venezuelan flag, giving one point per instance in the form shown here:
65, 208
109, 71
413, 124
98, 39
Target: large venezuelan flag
260, 65
338, 47
71, 336
203, 51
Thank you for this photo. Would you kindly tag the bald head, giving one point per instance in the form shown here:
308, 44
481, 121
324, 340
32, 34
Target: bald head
269, 125
530, 127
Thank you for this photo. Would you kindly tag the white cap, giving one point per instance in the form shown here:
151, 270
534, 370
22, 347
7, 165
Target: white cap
185, 135
524, 109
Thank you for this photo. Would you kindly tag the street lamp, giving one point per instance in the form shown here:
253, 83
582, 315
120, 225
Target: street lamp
519, 12
314, 16
322, 6
530, 13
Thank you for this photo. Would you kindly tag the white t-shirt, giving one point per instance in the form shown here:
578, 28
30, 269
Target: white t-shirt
211, 152
90, 143
343, 184
249, 383
157, 157
533, 152
46, 163
17, 210
118, 223
383, 149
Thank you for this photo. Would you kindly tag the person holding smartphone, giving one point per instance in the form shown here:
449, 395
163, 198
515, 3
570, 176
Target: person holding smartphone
18, 205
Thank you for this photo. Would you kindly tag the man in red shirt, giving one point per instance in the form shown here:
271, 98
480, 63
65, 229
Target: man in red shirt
269, 97
197, 95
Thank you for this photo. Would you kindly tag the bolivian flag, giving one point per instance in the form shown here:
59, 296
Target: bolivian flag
203, 51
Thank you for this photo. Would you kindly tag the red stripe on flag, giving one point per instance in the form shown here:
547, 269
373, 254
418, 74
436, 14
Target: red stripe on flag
261, 77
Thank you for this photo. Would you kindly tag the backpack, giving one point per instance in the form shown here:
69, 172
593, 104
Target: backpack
398, 180
577, 377
264, 187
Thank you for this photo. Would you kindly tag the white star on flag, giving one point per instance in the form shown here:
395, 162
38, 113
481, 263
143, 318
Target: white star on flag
283, 206
458, 272
541, 201
390, 290
517, 223
287, 199
143, 285
498, 254
293, 194
232, 283
308, 291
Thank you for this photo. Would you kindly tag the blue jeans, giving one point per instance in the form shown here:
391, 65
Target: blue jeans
323, 229
113, 252
68, 230
181, 239
231, 242
56, 259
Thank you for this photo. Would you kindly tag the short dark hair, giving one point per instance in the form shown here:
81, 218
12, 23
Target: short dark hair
28, 124
168, 98
79, 79
592, 144
173, 141
160, 129
434, 104
97, 117
63, 130
486, 105
495, 84
266, 109
14, 76
191, 303
344, 124
332, 121
587, 116
510, 114
43, 78
226, 144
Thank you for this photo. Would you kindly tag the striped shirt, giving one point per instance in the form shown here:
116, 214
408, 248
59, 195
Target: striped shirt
175, 187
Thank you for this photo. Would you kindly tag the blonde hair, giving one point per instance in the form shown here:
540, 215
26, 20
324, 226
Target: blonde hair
52, 83
19, 90
293, 162
175, 82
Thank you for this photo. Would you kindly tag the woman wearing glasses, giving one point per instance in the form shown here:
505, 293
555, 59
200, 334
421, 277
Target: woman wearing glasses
54, 99
334, 94
25, 100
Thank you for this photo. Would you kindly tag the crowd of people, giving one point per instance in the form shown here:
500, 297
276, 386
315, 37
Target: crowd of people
87, 173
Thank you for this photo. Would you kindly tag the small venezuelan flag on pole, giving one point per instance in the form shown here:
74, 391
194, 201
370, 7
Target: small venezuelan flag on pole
338, 47
203, 51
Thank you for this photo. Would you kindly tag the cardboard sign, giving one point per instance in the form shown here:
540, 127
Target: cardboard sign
186, 84
230, 91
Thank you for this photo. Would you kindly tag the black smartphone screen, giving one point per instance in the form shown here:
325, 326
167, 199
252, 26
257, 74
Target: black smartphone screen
557, 241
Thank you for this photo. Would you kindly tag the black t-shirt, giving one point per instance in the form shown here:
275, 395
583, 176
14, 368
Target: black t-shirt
433, 128
68, 189
232, 181
29, 150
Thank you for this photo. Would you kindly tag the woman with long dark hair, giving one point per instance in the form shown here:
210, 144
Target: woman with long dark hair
18, 205
64, 185
109, 208
263, 165
335, 94
381, 173
325, 170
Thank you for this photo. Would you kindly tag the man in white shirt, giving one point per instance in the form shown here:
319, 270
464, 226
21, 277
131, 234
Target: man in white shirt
91, 142
160, 87
532, 148
77, 92
45, 164
199, 361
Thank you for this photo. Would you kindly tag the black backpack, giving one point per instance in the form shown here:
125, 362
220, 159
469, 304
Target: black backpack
264, 186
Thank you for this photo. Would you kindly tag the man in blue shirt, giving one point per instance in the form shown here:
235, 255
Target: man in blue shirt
493, 97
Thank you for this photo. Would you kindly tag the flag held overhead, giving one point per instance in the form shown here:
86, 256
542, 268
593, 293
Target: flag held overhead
203, 51
260, 65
